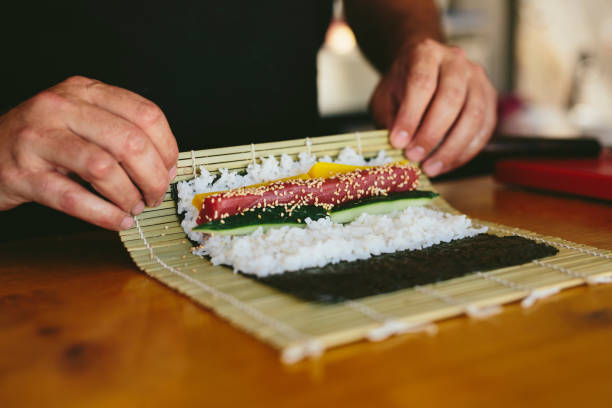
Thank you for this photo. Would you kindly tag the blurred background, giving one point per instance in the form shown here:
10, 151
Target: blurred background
550, 60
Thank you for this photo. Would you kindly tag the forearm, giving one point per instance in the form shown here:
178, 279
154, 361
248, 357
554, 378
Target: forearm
384, 27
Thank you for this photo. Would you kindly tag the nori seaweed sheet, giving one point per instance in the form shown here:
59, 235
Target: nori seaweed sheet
400, 270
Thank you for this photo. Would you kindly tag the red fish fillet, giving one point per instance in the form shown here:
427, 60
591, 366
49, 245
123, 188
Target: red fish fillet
326, 192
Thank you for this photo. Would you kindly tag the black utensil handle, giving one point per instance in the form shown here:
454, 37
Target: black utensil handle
519, 146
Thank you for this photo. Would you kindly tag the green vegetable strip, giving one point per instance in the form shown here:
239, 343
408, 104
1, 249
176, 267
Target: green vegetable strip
276, 217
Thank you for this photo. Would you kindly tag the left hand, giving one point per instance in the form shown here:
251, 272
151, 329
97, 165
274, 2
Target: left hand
440, 107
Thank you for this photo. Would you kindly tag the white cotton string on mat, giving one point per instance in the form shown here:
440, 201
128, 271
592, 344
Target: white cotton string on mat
358, 136
599, 279
193, 164
538, 294
389, 325
304, 345
533, 294
253, 153
308, 146
476, 312
588, 279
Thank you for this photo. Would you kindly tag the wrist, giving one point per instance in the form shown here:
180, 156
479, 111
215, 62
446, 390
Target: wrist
414, 40
407, 47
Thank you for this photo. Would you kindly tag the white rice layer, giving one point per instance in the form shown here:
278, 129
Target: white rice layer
323, 242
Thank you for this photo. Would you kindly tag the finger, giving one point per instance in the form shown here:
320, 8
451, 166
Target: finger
59, 192
443, 111
136, 109
477, 144
93, 164
382, 106
144, 113
421, 85
466, 129
127, 143
485, 132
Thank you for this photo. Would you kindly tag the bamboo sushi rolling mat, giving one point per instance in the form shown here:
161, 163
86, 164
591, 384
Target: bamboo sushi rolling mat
299, 329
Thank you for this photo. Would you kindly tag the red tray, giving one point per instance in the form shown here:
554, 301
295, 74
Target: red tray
586, 177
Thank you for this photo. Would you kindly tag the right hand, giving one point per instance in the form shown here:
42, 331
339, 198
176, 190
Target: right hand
114, 139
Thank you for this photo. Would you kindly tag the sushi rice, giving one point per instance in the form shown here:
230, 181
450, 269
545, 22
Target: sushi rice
321, 242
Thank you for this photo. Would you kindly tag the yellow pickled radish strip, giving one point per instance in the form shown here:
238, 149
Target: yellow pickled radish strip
326, 170
318, 170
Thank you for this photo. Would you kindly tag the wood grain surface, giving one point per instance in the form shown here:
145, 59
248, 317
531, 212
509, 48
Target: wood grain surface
80, 326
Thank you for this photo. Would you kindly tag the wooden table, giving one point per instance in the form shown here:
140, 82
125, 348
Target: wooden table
80, 326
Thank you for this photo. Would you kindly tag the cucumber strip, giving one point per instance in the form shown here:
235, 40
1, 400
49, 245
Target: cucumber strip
350, 211
244, 230
277, 217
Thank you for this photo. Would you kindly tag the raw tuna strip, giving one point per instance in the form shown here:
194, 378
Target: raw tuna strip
313, 191
319, 169
198, 199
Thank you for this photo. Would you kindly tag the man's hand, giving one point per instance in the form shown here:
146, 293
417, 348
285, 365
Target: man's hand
117, 141
440, 107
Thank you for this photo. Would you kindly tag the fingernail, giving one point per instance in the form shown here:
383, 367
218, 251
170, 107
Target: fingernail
399, 139
416, 154
138, 208
172, 173
158, 202
433, 169
127, 223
